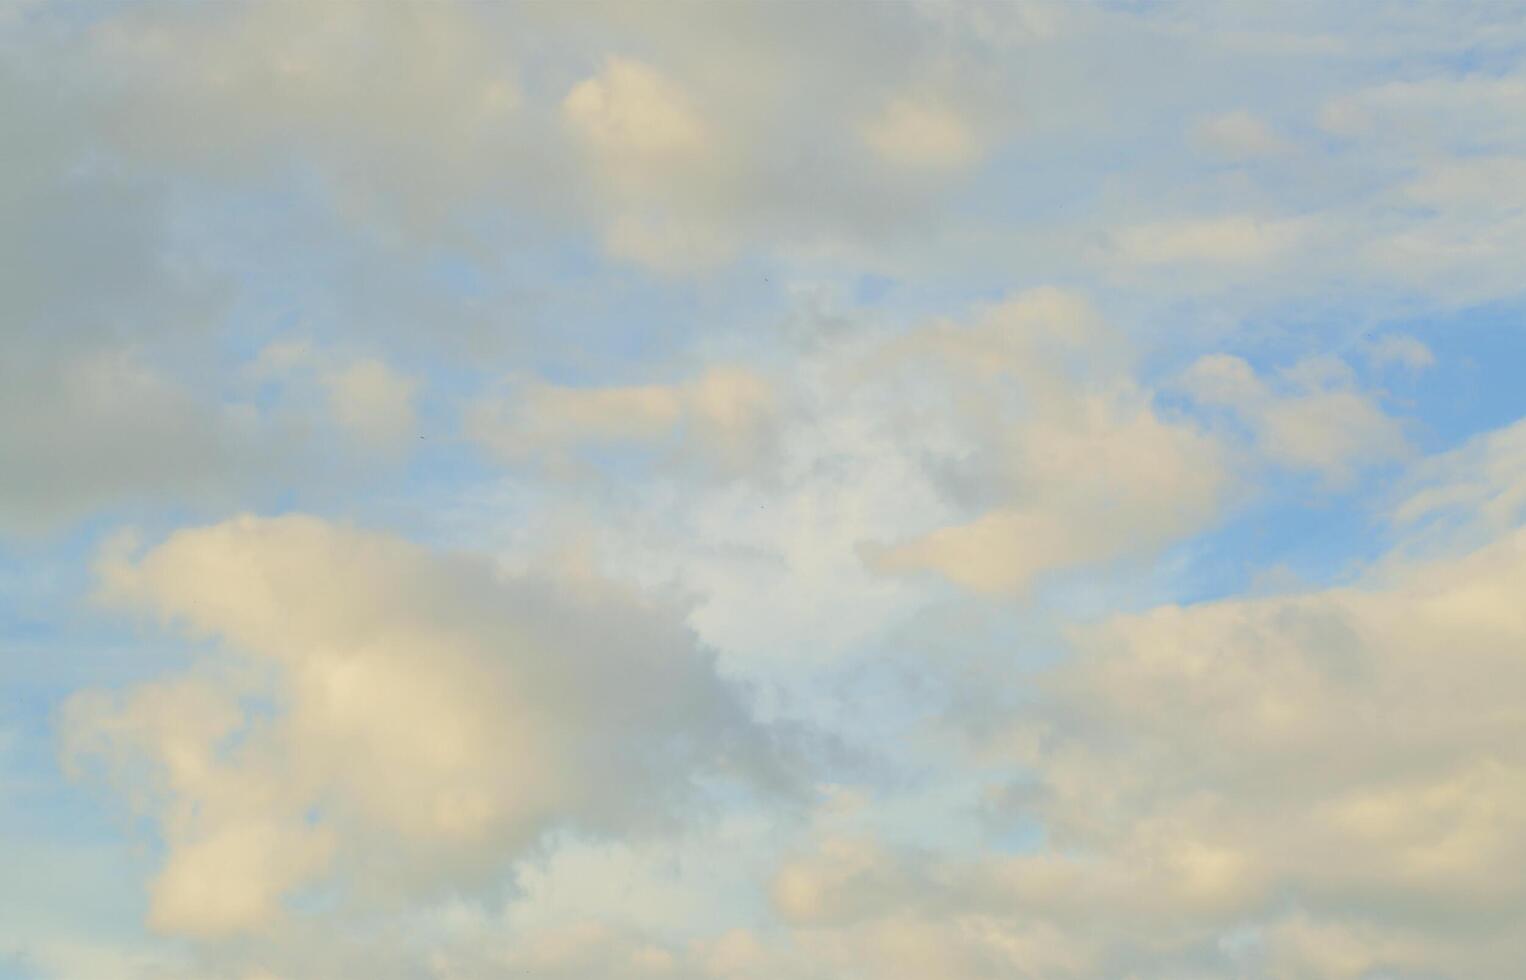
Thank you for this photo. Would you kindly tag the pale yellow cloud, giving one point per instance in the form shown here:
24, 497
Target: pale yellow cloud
1324, 783
419, 706
1352, 749
1082, 467
1227, 240
724, 417
922, 134
1240, 134
1480, 486
374, 402
1313, 418
653, 154
634, 116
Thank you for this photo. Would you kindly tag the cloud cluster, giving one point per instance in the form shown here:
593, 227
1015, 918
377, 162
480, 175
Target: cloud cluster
1077, 462
1318, 784
409, 718
1326, 783
741, 302
1311, 417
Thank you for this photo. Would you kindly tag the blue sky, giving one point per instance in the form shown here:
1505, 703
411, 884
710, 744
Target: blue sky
762, 490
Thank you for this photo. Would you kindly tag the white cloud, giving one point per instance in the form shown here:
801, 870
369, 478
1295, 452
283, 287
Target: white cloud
417, 705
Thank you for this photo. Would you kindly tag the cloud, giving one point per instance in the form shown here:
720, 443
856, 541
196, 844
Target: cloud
650, 151
1240, 134
724, 418
266, 80
1312, 418
668, 243
101, 428
1079, 465
390, 717
921, 135
374, 402
115, 392
91, 288
1347, 754
1442, 109
634, 117
1232, 240
1324, 783
1401, 350
1478, 488
363, 757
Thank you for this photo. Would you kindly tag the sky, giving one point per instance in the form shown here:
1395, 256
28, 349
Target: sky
762, 491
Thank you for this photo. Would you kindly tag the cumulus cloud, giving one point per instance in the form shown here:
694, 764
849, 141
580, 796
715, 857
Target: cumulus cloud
1080, 465
634, 117
1312, 417
387, 700
1338, 763
364, 757
1323, 783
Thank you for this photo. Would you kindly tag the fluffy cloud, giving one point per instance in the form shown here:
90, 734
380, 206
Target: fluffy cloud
634, 117
1078, 464
1325, 783
386, 700
1313, 418
364, 757
1349, 754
